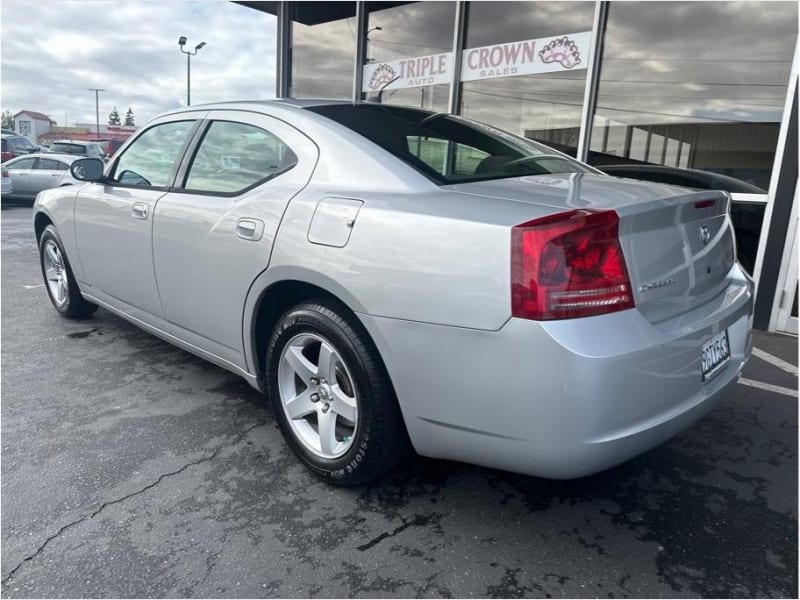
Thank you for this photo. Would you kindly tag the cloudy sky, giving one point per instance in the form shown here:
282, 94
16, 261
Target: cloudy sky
51, 56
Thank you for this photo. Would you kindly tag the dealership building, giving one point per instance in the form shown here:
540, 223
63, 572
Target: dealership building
698, 93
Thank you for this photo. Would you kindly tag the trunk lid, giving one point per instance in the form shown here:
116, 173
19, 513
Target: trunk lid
678, 244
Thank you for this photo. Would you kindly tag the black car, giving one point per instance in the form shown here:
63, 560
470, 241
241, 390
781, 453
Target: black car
14, 146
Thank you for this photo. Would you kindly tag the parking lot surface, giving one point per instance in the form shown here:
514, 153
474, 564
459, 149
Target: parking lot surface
133, 469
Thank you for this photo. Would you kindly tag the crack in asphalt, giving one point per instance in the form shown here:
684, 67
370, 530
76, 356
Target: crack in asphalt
417, 521
149, 486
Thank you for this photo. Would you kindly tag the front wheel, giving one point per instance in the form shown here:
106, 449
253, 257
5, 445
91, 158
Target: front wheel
331, 395
58, 278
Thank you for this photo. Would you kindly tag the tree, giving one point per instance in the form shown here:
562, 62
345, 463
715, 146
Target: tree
129, 118
8, 120
113, 118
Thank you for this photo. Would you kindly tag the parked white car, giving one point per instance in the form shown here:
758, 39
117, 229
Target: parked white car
33, 173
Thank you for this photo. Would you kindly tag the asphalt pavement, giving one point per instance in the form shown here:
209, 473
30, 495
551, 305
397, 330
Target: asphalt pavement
133, 469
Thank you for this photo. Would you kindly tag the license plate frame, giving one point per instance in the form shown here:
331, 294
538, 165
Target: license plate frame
714, 355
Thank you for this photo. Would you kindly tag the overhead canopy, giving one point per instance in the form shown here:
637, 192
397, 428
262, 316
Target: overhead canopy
314, 13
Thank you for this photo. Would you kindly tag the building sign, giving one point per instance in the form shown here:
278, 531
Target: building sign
408, 72
544, 55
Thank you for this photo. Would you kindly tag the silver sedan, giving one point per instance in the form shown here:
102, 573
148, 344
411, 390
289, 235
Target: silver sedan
393, 278
32, 173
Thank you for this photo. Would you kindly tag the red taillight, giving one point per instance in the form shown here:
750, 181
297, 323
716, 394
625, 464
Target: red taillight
568, 265
4, 156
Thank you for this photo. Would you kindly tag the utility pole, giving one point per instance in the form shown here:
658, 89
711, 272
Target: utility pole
97, 106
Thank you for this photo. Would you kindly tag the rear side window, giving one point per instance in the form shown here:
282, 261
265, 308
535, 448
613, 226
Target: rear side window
449, 149
48, 164
233, 157
151, 159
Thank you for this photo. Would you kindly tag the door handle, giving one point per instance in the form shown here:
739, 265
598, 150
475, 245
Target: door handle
139, 210
250, 229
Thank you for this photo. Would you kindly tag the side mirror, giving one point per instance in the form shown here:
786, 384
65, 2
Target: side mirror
87, 169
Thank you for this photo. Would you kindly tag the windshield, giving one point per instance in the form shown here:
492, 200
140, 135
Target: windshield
450, 149
63, 148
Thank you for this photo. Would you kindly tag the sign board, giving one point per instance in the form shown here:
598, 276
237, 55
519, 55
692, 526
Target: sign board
527, 57
543, 55
408, 72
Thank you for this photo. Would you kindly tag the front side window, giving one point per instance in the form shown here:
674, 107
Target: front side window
235, 156
149, 161
48, 164
450, 149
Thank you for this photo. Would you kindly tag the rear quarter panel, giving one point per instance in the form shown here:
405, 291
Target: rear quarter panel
434, 256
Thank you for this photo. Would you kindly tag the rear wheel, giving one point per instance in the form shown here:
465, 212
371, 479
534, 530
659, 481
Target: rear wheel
331, 395
58, 278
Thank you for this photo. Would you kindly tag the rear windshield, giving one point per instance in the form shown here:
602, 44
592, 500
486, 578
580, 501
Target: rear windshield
63, 148
450, 149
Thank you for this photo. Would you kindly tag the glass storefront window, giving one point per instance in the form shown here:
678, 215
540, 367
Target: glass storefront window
694, 94
323, 49
409, 53
697, 85
544, 106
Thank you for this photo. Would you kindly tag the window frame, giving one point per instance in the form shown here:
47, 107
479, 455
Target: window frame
111, 170
182, 175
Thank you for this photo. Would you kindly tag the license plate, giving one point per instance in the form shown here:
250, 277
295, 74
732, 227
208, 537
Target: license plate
715, 355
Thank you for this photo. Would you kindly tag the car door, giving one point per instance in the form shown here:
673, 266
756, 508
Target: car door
20, 170
213, 236
47, 173
113, 223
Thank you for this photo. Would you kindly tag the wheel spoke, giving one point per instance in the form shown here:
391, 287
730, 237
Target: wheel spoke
327, 362
343, 405
51, 253
62, 288
50, 273
300, 364
327, 431
300, 406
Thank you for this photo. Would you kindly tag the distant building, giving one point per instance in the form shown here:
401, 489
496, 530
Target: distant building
32, 124
87, 132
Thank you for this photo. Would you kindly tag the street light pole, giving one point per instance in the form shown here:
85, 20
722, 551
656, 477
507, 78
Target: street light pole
189, 54
96, 106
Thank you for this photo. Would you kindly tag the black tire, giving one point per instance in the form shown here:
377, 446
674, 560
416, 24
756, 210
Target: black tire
75, 306
380, 440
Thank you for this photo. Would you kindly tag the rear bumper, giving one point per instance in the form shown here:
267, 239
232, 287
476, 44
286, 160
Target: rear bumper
561, 399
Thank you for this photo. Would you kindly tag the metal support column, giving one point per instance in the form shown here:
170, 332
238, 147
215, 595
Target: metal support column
284, 51
459, 34
592, 78
361, 50
777, 216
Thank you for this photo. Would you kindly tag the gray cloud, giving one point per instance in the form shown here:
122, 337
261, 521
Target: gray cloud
50, 57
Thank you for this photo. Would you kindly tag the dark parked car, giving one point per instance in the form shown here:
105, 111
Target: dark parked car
747, 217
14, 146
691, 178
